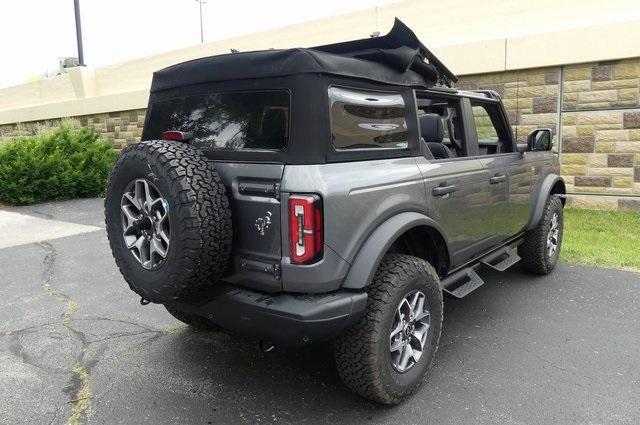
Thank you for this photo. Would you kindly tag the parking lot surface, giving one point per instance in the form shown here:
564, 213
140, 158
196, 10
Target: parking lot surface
76, 345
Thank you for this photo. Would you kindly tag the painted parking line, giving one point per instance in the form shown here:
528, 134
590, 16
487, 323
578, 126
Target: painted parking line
20, 229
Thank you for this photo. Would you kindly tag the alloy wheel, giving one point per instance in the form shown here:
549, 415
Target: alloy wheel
553, 236
145, 223
409, 331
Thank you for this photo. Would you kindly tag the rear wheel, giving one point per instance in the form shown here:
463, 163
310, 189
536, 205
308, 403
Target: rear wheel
541, 247
385, 356
168, 220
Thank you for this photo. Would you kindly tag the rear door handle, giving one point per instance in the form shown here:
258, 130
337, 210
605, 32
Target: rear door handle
498, 179
443, 190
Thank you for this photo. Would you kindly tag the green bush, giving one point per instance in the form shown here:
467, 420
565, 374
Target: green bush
59, 163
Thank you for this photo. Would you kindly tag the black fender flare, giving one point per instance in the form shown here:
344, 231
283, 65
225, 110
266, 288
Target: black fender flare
541, 198
373, 249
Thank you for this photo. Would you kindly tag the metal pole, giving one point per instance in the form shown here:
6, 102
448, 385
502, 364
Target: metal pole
201, 30
76, 7
201, 2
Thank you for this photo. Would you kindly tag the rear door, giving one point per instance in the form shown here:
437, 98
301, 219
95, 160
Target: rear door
457, 200
254, 193
457, 189
231, 125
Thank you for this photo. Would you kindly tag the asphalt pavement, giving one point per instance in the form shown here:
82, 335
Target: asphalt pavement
76, 346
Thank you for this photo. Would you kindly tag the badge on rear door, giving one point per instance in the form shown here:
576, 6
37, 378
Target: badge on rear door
263, 223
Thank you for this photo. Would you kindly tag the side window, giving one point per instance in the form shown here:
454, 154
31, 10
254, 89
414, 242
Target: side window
439, 126
367, 120
490, 138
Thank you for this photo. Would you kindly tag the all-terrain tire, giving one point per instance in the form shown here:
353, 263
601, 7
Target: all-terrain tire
534, 250
199, 219
193, 320
362, 353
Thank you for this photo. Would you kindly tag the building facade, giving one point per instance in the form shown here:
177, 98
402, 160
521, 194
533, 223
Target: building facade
573, 66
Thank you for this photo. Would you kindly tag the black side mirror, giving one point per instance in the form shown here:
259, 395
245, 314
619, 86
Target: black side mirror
539, 140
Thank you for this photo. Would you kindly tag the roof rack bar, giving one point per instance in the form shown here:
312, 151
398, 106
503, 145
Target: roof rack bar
491, 94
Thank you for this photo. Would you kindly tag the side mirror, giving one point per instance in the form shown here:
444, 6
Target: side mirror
539, 140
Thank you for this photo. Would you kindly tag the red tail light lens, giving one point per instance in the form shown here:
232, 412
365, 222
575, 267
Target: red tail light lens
179, 136
305, 228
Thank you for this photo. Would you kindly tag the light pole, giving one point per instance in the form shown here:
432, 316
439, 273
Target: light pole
200, 3
76, 7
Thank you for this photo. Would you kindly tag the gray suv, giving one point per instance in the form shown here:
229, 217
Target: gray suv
329, 193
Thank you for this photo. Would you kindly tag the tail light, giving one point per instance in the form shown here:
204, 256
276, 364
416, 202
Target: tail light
179, 136
305, 228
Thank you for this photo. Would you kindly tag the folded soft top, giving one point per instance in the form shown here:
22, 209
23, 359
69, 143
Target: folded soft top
397, 58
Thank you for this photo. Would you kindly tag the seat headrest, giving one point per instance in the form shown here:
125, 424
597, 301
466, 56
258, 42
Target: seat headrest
439, 150
431, 128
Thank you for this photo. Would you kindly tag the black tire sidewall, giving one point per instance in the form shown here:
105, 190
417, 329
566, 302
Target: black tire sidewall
399, 384
554, 206
199, 219
136, 166
533, 249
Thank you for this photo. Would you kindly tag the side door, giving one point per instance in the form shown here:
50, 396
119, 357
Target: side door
511, 174
457, 194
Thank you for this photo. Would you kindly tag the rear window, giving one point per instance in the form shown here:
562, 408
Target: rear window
226, 121
367, 120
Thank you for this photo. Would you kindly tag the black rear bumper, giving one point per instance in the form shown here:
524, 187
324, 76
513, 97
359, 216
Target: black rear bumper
288, 319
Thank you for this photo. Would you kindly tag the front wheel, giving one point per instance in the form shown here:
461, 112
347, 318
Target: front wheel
541, 247
385, 356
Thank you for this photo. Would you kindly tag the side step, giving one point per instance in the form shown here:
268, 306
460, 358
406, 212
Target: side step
501, 260
462, 283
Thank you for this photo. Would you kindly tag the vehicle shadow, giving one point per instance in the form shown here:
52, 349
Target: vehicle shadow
303, 386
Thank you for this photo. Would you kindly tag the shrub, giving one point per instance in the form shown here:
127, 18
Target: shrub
59, 163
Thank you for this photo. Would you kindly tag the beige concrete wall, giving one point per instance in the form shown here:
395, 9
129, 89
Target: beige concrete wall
470, 36
594, 109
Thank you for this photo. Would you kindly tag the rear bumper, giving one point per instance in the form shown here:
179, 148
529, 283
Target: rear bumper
288, 319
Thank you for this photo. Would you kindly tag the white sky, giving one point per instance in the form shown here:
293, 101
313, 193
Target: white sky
34, 33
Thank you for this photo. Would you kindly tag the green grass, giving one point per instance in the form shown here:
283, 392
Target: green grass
602, 238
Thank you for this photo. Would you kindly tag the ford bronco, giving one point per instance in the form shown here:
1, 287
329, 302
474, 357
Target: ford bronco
330, 193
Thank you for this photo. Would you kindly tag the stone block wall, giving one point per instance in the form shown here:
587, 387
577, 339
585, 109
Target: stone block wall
594, 109
121, 128
530, 96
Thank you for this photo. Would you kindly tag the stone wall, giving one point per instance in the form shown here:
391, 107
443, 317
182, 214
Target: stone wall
594, 110
121, 128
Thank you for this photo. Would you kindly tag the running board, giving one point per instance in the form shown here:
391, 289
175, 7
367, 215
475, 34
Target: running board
462, 283
465, 281
501, 260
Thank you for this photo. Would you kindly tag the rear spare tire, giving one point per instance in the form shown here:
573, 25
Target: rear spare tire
168, 220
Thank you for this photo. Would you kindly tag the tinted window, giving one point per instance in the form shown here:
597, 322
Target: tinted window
367, 120
229, 121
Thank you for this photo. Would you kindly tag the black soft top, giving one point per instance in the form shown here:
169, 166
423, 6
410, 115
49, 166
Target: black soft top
397, 58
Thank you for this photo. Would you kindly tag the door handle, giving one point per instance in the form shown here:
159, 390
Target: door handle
443, 190
498, 179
